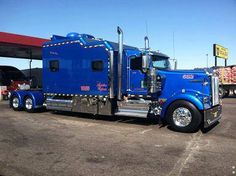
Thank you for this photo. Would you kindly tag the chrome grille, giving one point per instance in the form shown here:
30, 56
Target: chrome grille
215, 90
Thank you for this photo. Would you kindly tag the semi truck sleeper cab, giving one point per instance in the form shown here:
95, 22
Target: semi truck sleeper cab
89, 75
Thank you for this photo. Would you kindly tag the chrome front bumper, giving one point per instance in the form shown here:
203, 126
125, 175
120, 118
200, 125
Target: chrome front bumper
212, 115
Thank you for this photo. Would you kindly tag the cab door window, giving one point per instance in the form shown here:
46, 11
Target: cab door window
136, 63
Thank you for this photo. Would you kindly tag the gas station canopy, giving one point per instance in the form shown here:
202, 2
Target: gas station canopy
20, 46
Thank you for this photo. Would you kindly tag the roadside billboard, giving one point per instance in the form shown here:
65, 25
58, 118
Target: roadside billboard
220, 51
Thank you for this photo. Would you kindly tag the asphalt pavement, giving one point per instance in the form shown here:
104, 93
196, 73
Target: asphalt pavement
66, 144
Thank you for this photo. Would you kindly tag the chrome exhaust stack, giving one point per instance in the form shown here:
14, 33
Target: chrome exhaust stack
151, 71
146, 41
120, 57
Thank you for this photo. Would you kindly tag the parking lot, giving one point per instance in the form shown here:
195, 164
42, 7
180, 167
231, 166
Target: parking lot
75, 144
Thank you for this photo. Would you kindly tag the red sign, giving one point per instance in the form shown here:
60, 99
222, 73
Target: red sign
85, 88
101, 86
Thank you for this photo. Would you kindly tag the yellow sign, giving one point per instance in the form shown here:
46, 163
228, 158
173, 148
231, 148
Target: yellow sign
220, 51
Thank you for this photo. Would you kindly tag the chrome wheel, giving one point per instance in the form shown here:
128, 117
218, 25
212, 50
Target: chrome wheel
28, 103
182, 117
15, 102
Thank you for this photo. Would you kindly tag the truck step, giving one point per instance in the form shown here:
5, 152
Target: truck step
134, 104
132, 113
134, 108
59, 104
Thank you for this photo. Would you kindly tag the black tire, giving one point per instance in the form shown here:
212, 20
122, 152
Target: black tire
28, 104
234, 91
221, 92
193, 124
15, 103
226, 93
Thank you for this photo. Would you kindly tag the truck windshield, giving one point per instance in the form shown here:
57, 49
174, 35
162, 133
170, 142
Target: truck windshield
160, 62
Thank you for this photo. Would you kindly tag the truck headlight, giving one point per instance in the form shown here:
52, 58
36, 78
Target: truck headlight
205, 99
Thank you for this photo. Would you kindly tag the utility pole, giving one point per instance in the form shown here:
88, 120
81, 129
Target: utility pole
30, 63
207, 60
173, 45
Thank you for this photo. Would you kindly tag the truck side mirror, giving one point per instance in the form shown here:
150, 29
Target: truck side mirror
145, 63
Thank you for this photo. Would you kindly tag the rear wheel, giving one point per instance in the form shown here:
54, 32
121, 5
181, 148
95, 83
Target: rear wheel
226, 93
29, 107
15, 103
183, 116
234, 91
221, 92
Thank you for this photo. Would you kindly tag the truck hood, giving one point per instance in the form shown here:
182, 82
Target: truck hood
176, 81
184, 74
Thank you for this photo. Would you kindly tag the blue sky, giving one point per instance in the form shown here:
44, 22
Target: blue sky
196, 24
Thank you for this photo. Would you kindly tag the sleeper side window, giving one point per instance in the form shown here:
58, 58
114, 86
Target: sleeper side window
54, 65
97, 65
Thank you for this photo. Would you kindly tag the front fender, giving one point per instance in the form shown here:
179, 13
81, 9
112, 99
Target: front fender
187, 97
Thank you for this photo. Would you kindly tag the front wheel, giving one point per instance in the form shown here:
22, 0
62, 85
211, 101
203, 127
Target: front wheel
183, 116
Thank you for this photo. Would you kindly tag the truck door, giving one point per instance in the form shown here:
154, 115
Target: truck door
136, 78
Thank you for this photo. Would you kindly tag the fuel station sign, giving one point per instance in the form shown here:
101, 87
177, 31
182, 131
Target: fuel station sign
220, 51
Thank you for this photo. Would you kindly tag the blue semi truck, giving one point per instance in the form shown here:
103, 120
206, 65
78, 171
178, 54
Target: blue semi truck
88, 75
